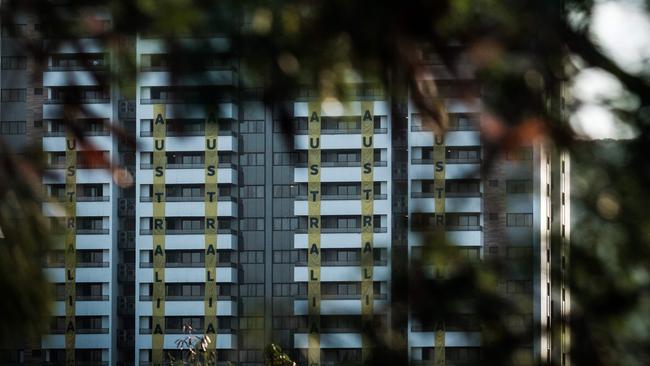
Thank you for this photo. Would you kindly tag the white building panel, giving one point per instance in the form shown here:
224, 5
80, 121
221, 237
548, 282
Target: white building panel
341, 207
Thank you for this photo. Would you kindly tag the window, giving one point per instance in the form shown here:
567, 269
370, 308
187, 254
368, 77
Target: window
13, 95
255, 224
256, 126
251, 191
522, 153
284, 158
462, 187
519, 287
251, 159
519, 186
12, 127
13, 30
285, 223
251, 257
14, 62
463, 122
519, 219
463, 153
285, 190
462, 220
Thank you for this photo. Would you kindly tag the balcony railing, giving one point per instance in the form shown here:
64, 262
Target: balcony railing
432, 227
447, 194
84, 133
350, 131
189, 265
188, 298
86, 298
92, 231
187, 231
341, 164
449, 128
336, 197
204, 68
81, 198
190, 199
82, 331
78, 101
99, 165
190, 166
77, 362
195, 331
187, 133
220, 99
350, 230
447, 161
78, 68
324, 263
78, 264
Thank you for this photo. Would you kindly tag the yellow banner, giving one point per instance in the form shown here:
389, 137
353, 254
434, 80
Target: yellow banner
313, 232
211, 227
70, 246
159, 166
367, 225
439, 354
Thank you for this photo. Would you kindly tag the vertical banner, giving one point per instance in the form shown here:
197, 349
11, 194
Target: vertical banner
439, 152
367, 225
313, 233
439, 355
211, 227
159, 166
70, 246
439, 178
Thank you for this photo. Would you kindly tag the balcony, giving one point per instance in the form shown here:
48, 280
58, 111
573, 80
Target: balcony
351, 131
347, 230
189, 166
85, 298
341, 164
92, 231
188, 265
447, 161
341, 197
187, 133
78, 101
83, 133
189, 298
187, 231
78, 265
194, 331
190, 199
81, 331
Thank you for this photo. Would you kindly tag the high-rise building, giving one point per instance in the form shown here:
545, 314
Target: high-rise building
219, 220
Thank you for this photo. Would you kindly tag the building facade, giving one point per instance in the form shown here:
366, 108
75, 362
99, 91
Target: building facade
218, 220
